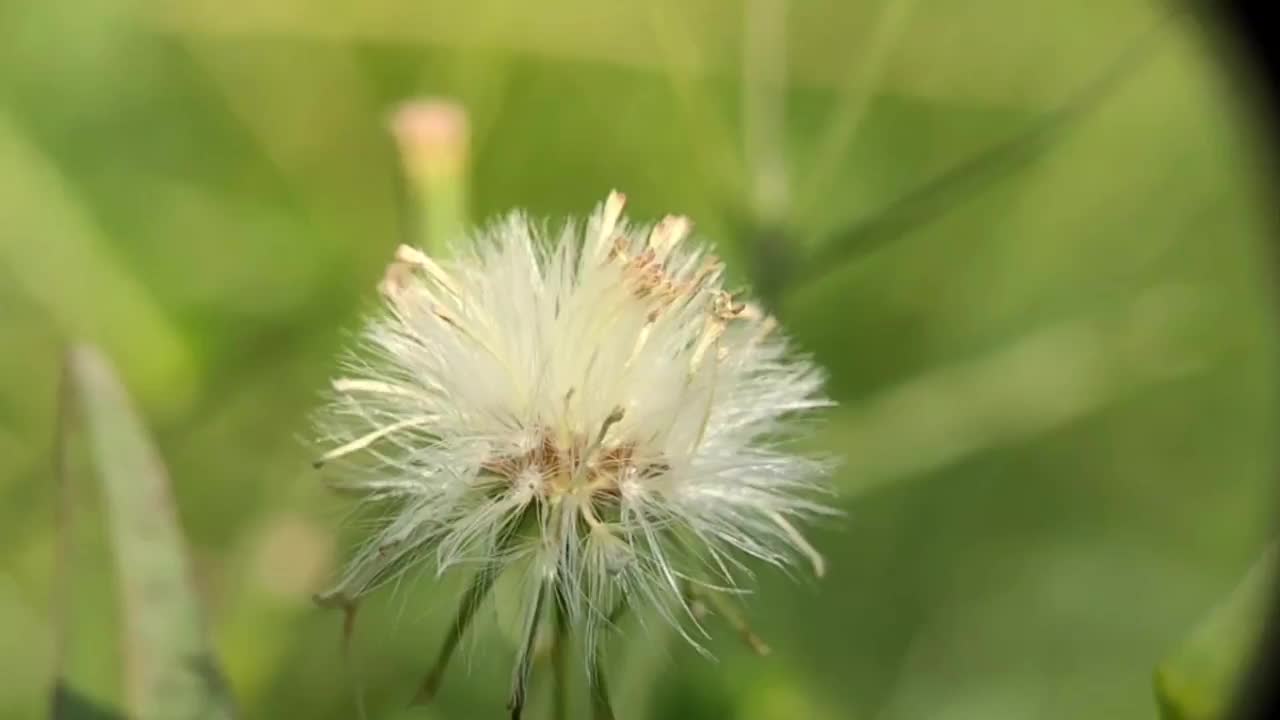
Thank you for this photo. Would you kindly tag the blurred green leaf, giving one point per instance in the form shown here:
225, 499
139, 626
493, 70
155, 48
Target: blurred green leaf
171, 671
69, 704
970, 177
1201, 679
75, 278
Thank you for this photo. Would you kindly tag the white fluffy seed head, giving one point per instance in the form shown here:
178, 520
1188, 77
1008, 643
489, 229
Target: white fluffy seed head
592, 405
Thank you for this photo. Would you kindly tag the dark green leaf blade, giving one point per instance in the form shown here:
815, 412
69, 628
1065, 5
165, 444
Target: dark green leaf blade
1201, 679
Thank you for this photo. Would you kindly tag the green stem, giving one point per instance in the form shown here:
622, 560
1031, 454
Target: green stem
480, 586
524, 661
601, 709
442, 213
479, 589
559, 653
601, 706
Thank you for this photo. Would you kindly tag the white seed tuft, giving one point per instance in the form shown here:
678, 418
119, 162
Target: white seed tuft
592, 404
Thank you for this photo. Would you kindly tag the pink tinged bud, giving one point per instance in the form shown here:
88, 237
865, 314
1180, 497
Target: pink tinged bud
433, 136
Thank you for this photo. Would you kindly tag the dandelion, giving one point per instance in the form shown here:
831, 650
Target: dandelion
589, 408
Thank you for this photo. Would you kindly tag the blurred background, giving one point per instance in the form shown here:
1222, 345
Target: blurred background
1028, 240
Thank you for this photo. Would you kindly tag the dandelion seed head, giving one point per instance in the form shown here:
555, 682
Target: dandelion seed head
590, 403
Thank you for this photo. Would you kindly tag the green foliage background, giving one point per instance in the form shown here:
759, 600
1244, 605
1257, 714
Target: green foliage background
1057, 400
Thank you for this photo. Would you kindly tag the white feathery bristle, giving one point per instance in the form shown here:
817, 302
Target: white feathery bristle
591, 404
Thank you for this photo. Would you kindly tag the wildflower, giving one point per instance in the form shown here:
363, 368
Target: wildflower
589, 408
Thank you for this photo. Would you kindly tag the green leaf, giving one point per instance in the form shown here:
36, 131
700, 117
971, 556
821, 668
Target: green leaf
70, 704
970, 177
170, 668
105, 302
1200, 680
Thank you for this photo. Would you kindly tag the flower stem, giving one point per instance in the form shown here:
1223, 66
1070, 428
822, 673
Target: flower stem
480, 586
479, 589
559, 652
524, 661
601, 707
